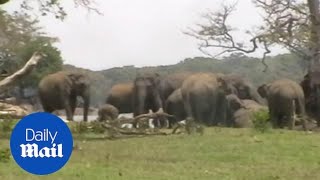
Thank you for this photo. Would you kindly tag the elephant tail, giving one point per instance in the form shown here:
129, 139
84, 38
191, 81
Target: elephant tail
299, 104
187, 104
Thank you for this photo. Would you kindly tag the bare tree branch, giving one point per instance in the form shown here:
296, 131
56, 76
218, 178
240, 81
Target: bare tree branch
28, 67
54, 7
285, 23
90, 5
218, 34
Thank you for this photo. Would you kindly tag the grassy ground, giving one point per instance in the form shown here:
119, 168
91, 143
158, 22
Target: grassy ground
218, 154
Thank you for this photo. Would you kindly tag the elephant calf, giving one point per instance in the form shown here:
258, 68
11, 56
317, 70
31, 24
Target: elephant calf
120, 96
241, 111
285, 98
174, 106
243, 117
107, 112
234, 103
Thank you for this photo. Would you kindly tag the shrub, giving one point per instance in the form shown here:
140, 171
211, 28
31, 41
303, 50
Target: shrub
6, 125
96, 127
5, 155
261, 121
81, 127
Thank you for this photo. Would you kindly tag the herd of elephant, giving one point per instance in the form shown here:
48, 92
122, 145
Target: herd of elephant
208, 98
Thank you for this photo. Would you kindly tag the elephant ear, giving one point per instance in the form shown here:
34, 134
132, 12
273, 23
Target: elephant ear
80, 80
154, 79
228, 88
262, 90
235, 102
157, 78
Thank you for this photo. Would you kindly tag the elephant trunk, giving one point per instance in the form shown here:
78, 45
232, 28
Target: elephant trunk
140, 98
256, 96
158, 101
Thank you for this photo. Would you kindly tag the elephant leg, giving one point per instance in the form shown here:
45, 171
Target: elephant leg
198, 110
68, 110
273, 117
171, 122
221, 110
291, 115
47, 109
317, 97
300, 111
187, 107
200, 116
73, 104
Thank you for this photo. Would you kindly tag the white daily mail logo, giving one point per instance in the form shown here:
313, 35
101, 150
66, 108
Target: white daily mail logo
32, 150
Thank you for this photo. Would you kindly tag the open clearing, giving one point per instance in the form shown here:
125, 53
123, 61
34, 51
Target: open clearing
221, 153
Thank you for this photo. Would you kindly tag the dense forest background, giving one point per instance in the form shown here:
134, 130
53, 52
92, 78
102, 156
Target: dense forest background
280, 66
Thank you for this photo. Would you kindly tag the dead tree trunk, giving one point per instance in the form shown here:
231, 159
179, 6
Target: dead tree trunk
25, 70
314, 34
314, 64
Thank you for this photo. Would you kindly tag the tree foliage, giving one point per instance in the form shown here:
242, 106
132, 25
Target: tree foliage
52, 7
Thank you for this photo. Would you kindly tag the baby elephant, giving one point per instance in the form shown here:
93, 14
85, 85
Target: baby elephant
240, 112
107, 112
285, 99
243, 117
234, 103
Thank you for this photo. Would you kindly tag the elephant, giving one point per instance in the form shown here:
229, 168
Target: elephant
60, 91
312, 102
243, 88
234, 103
170, 83
158, 89
204, 98
242, 112
107, 112
145, 93
120, 96
150, 91
174, 106
285, 99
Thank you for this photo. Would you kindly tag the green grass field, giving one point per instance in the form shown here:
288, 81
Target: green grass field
221, 153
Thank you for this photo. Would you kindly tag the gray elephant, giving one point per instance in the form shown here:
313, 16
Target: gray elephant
120, 96
107, 112
243, 88
174, 106
170, 83
204, 98
150, 91
60, 91
234, 103
285, 99
242, 111
145, 93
